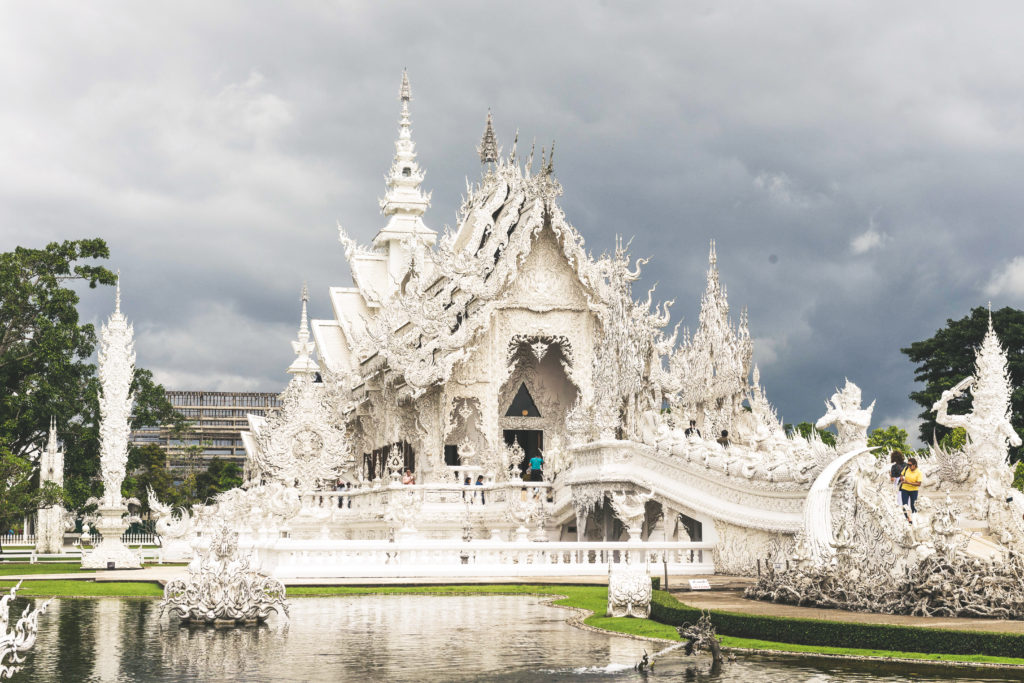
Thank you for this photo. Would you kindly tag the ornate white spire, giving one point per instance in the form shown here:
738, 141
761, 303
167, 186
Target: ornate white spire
488, 148
404, 203
303, 347
117, 368
51, 442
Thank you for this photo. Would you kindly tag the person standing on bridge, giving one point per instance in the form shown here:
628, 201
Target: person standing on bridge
895, 472
909, 486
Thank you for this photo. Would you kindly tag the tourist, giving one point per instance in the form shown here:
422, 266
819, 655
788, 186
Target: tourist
480, 482
895, 472
692, 429
723, 440
910, 484
467, 482
408, 478
536, 468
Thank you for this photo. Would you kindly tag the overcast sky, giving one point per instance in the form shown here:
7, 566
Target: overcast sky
859, 163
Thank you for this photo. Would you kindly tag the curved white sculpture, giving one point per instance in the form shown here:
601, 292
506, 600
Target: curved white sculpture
13, 644
223, 589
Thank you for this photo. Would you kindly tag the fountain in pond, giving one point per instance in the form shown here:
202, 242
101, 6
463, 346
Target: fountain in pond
21, 639
222, 589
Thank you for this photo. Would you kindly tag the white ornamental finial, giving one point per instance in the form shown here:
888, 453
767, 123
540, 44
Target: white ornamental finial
117, 294
404, 203
51, 442
303, 363
488, 148
405, 93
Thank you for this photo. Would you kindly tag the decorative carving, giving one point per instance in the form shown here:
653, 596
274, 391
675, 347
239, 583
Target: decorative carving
223, 589
301, 443
850, 419
13, 644
116, 371
629, 591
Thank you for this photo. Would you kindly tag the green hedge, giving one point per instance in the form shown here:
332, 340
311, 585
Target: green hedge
668, 610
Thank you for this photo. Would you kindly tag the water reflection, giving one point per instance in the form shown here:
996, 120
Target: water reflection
393, 638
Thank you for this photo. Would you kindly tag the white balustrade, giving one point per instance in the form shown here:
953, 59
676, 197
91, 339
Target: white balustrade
295, 558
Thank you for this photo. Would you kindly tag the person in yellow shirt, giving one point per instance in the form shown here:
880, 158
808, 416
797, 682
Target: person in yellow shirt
910, 484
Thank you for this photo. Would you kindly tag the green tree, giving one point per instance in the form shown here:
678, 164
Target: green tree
45, 367
948, 357
220, 476
892, 438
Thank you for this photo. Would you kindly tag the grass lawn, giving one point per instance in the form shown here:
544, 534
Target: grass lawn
9, 568
728, 641
87, 589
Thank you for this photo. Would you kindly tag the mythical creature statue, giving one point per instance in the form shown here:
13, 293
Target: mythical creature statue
850, 419
13, 644
224, 589
988, 424
630, 508
629, 592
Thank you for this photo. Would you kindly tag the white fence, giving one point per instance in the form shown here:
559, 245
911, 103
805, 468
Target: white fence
295, 558
18, 539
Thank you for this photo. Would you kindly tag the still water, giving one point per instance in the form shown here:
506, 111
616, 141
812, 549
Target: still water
394, 638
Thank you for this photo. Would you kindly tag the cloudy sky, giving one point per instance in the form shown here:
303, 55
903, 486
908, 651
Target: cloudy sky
859, 163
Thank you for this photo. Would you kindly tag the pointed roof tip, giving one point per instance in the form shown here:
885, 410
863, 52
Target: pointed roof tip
117, 293
488, 149
712, 254
305, 292
405, 92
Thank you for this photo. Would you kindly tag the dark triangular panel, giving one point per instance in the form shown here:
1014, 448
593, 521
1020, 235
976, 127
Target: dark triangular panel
523, 402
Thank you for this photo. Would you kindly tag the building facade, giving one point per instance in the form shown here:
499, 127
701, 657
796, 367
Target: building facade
216, 420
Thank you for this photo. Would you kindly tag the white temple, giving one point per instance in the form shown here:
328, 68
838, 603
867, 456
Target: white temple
461, 357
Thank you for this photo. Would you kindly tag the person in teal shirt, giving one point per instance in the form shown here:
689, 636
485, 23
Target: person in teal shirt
536, 465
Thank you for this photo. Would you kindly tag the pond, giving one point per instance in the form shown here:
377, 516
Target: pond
394, 638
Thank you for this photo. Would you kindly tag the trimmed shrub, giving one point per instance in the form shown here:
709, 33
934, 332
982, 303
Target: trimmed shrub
799, 631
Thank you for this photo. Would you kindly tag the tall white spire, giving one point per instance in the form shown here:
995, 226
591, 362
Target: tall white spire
116, 371
404, 203
303, 347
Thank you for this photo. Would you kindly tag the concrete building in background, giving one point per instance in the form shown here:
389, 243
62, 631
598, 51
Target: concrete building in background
216, 419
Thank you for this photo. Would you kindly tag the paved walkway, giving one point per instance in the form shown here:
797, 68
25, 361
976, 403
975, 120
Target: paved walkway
733, 601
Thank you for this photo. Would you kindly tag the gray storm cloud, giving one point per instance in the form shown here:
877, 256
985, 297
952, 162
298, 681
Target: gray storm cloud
857, 163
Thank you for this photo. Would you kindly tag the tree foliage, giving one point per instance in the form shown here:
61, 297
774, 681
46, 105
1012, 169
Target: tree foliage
892, 438
45, 368
948, 357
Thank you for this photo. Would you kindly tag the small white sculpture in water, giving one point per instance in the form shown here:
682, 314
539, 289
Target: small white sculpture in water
629, 592
224, 590
21, 639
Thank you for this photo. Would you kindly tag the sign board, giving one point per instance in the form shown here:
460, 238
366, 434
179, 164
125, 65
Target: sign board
700, 585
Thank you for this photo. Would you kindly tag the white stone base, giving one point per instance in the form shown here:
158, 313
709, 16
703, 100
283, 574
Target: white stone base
111, 553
